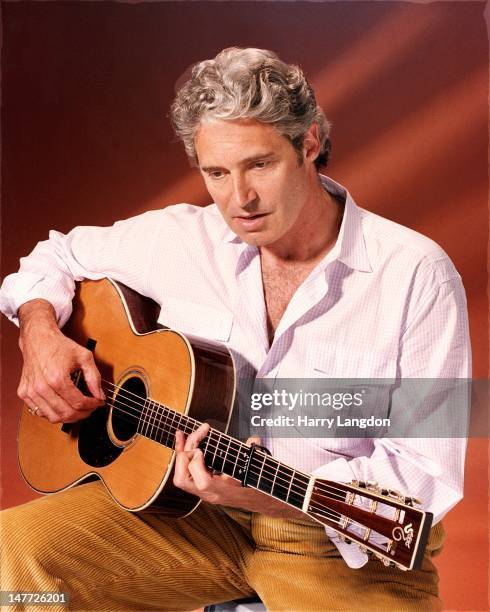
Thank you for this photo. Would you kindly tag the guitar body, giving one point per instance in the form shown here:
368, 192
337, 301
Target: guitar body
193, 377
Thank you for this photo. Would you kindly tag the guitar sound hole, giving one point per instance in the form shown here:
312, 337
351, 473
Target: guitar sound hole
127, 407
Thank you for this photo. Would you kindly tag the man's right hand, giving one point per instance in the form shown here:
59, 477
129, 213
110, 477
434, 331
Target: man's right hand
49, 359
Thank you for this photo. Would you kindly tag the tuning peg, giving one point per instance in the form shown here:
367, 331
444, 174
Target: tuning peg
362, 548
395, 494
373, 485
344, 538
410, 501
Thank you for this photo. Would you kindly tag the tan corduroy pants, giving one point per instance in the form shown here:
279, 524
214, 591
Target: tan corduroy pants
80, 542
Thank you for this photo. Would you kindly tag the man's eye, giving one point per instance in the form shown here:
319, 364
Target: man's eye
216, 175
261, 164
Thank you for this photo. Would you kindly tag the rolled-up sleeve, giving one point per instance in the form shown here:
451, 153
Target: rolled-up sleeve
123, 252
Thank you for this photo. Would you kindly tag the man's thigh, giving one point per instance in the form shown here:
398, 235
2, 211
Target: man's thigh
296, 567
81, 542
292, 582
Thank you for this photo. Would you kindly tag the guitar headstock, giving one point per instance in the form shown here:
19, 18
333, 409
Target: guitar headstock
383, 522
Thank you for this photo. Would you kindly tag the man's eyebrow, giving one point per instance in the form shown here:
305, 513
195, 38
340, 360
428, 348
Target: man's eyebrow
243, 162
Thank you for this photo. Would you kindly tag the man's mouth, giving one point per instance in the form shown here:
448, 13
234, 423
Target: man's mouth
251, 222
255, 216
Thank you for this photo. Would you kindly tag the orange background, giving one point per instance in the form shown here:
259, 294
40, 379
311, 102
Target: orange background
85, 140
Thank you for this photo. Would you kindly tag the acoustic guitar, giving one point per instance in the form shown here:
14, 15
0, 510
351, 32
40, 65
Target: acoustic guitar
158, 380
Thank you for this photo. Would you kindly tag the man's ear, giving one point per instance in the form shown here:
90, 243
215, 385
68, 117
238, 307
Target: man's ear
311, 143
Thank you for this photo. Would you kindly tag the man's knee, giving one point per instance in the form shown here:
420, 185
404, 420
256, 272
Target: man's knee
36, 530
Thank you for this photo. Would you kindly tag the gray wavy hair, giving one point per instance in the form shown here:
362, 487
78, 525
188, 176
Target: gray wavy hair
249, 84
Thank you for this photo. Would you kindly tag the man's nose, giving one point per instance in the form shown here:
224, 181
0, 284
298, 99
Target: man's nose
244, 194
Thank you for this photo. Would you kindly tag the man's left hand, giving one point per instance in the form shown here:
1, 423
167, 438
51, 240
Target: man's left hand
192, 475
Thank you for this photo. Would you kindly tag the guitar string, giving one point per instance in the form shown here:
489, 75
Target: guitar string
327, 489
259, 472
323, 488
319, 509
212, 432
233, 453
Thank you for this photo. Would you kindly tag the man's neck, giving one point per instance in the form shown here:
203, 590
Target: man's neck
313, 236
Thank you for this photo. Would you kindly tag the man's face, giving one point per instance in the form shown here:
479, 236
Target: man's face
254, 176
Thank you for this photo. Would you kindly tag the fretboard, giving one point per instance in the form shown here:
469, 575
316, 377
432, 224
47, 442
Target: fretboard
226, 455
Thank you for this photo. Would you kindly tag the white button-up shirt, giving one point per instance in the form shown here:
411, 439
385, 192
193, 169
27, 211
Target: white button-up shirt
385, 301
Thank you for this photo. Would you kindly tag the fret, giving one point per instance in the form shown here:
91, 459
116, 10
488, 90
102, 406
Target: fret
183, 423
166, 428
141, 423
299, 488
161, 424
228, 464
241, 456
165, 435
140, 419
148, 417
152, 420
145, 419
264, 482
284, 487
156, 422
234, 458
209, 453
216, 447
280, 485
221, 454
173, 425
205, 449
235, 472
293, 472
254, 468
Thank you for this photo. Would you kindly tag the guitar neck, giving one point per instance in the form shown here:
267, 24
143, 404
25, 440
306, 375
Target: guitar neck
396, 535
227, 455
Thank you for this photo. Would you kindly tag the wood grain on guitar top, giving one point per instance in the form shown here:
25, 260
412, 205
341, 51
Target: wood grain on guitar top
192, 376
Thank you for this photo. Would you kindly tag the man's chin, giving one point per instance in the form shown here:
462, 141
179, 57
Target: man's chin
258, 239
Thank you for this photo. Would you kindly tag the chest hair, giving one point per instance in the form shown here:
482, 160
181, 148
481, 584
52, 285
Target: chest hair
280, 283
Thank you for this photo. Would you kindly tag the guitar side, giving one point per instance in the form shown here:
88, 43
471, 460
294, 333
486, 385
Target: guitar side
194, 377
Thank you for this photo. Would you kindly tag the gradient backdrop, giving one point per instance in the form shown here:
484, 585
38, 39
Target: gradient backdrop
85, 140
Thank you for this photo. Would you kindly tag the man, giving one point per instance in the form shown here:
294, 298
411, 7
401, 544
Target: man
299, 282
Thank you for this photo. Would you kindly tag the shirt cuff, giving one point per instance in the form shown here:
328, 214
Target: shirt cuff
19, 288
